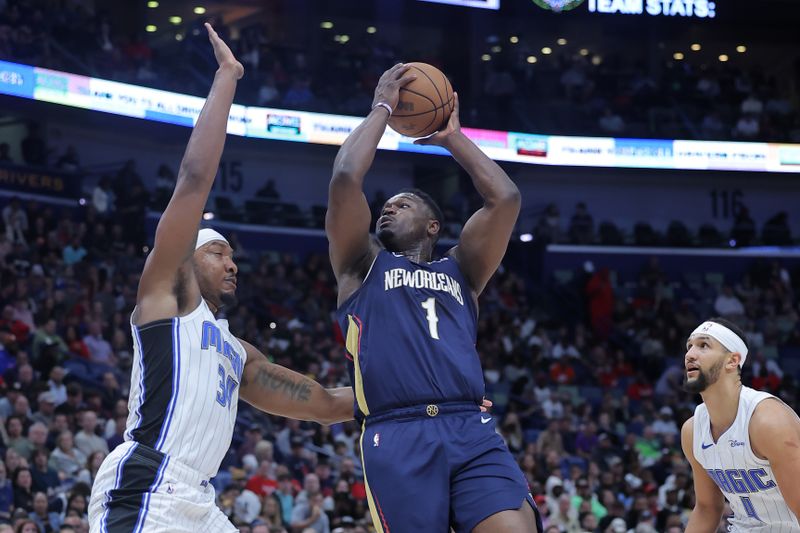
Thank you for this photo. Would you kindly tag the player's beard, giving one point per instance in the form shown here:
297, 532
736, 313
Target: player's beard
704, 380
386, 238
228, 300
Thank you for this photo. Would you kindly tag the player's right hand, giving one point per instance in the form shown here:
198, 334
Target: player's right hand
388, 89
225, 58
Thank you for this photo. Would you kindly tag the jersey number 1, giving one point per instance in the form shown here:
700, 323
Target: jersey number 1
433, 320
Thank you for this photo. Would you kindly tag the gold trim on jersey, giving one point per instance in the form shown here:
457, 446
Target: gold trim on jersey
377, 523
353, 346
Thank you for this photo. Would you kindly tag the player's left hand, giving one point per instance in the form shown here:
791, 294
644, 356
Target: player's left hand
486, 405
225, 58
441, 137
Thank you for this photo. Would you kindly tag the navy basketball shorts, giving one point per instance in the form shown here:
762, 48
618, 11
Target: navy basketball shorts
429, 468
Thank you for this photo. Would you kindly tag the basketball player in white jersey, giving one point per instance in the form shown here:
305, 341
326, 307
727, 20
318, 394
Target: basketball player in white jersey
189, 370
743, 444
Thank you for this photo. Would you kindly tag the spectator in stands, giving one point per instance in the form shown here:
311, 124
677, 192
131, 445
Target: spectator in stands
37, 436
299, 95
309, 514
548, 228
56, 383
747, 128
74, 252
708, 86
728, 305
611, 123
744, 228
752, 105
271, 513
66, 459
665, 425
69, 161
549, 440
562, 514
44, 519
6, 494
776, 231
285, 494
581, 225
586, 440
263, 482
99, 349
23, 494
11, 323
165, 184
34, 150
131, 208
47, 343
45, 478
600, 296
16, 222
268, 93
118, 435
712, 126
246, 508
103, 198
562, 372
268, 191
87, 440
640, 388
15, 440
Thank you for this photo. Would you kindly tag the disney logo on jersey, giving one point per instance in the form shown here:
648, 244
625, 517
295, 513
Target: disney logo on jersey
213, 337
422, 279
735, 443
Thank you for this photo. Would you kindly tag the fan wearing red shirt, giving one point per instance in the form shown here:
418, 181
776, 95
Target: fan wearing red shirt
261, 483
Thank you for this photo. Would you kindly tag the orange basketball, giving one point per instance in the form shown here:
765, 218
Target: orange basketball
425, 103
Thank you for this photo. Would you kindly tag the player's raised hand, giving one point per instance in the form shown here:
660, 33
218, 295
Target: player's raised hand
225, 58
453, 127
388, 89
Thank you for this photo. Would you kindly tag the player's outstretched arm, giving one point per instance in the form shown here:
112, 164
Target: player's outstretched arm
709, 502
348, 218
280, 391
484, 238
775, 435
177, 229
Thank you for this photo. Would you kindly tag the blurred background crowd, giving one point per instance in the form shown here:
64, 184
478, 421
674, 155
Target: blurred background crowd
584, 370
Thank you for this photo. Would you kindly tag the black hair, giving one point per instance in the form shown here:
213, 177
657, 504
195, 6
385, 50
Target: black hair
733, 327
429, 201
436, 211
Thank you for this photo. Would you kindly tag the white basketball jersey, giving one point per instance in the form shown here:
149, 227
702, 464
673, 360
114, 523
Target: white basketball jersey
746, 481
185, 388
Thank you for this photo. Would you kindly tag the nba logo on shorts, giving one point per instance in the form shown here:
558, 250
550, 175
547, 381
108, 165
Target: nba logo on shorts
376, 440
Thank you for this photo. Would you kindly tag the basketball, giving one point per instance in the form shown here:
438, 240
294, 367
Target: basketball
425, 103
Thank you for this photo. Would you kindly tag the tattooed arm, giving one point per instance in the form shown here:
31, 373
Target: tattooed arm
280, 391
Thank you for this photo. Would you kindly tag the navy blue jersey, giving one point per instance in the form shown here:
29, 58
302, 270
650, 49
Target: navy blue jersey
410, 333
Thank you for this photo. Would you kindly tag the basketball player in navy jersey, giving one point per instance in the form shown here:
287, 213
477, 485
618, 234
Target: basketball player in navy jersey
431, 459
743, 445
189, 370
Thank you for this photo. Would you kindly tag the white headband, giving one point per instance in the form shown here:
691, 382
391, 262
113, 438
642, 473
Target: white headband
206, 235
730, 340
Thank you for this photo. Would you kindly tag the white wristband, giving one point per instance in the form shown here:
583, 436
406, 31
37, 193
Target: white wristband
384, 105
